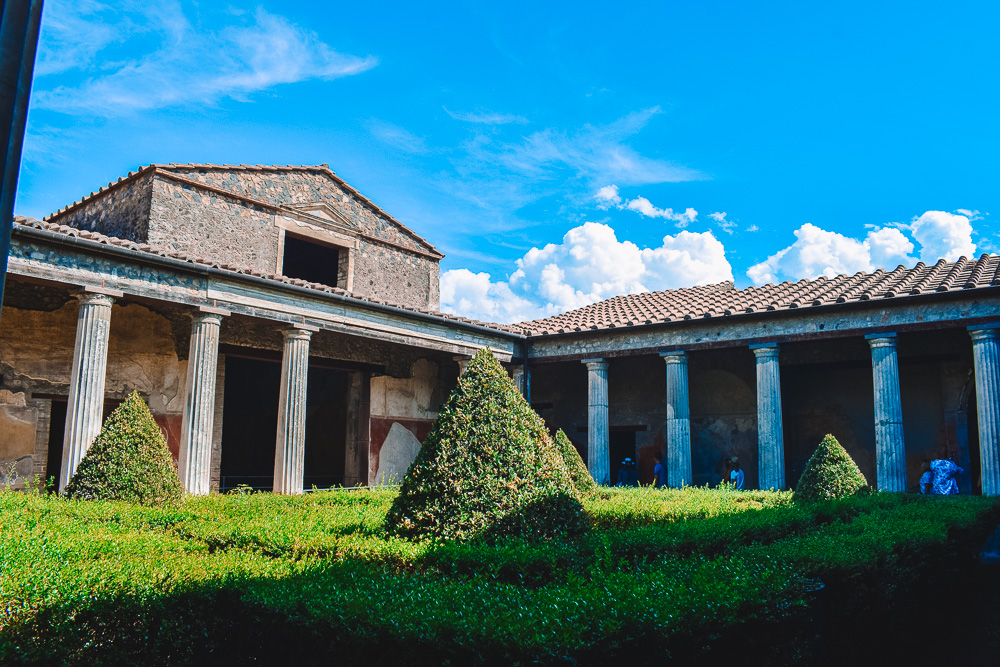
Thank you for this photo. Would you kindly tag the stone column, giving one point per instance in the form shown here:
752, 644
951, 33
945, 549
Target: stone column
85, 409
289, 454
986, 355
198, 425
517, 374
678, 420
770, 439
890, 450
598, 454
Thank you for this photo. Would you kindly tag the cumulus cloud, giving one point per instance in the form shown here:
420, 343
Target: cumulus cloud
589, 264
818, 252
187, 65
607, 197
942, 234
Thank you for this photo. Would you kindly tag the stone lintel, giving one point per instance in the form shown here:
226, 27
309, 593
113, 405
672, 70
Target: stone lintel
763, 346
106, 291
880, 335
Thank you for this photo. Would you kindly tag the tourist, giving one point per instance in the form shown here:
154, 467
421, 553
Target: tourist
945, 473
626, 473
926, 478
659, 472
736, 476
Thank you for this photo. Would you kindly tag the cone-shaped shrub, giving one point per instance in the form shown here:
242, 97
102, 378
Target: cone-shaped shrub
129, 460
830, 473
577, 469
488, 468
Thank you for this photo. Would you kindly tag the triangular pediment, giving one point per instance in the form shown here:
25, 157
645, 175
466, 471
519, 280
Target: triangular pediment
322, 211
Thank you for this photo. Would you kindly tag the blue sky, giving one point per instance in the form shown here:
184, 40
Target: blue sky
557, 153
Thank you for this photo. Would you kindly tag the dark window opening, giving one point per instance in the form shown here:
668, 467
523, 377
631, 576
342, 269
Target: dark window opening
307, 260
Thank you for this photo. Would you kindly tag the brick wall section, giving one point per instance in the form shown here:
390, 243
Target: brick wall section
122, 211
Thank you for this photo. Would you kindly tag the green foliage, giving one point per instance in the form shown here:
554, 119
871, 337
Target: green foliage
235, 577
129, 460
578, 472
830, 473
487, 469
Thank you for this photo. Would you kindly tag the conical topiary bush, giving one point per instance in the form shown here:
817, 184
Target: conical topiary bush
577, 469
129, 460
488, 468
830, 473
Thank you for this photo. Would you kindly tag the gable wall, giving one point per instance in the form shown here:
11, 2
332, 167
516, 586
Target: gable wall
122, 212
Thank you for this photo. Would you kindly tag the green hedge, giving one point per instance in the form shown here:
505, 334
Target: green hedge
316, 578
829, 473
487, 469
129, 460
577, 469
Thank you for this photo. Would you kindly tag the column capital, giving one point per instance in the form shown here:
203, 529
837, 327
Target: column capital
985, 331
765, 350
675, 357
211, 310
299, 332
597, 363
886, 339
89, 298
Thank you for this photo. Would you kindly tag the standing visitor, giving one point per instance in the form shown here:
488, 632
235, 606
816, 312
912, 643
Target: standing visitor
659, 471
945, 473
736, 476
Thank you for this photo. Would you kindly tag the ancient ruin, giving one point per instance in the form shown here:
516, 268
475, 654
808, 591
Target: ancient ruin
285, 332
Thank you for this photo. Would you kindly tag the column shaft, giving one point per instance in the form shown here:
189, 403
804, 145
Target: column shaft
289, 455
85, 408
986, 355
678, 425
598, 455
517, 374
890, 450
198, 424
770, 437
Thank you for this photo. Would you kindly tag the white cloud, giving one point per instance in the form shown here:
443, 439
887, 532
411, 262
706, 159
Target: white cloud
753, 228
187, 65
643, 206
718, 216
817, 252
970, 214
942, 234
607, 197
486, 117
728, 226
397, 136
589, 264
597, 154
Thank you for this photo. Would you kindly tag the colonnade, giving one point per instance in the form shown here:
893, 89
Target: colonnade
889, 441
84, 413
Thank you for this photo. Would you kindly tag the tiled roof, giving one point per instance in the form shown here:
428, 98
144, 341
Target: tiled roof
321, 168
723, 300
202, 261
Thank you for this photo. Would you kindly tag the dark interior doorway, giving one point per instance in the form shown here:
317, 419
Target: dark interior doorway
250, 424
621, 444
308, 260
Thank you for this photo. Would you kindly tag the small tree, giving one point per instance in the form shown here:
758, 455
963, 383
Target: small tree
488, 468
129, 460
830, 473
577, 469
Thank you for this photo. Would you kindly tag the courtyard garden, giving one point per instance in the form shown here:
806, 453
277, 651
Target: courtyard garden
696, 574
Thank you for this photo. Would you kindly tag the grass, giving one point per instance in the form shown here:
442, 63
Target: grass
671, 572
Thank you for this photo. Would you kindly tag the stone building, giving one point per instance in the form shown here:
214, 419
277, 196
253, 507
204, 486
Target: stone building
284, 331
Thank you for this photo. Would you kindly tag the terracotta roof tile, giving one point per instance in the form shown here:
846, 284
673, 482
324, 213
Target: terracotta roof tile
723, 300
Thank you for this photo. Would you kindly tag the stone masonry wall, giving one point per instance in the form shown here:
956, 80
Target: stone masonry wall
232, 231
122, 212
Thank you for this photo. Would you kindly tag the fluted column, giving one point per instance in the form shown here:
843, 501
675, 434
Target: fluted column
986, 355
85, 407
289, 454
770, 439
195, 461
678, 420
598, 455
890, 451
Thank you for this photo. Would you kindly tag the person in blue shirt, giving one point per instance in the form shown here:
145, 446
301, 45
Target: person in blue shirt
659, 472
736, 476
945, 477
626, 473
